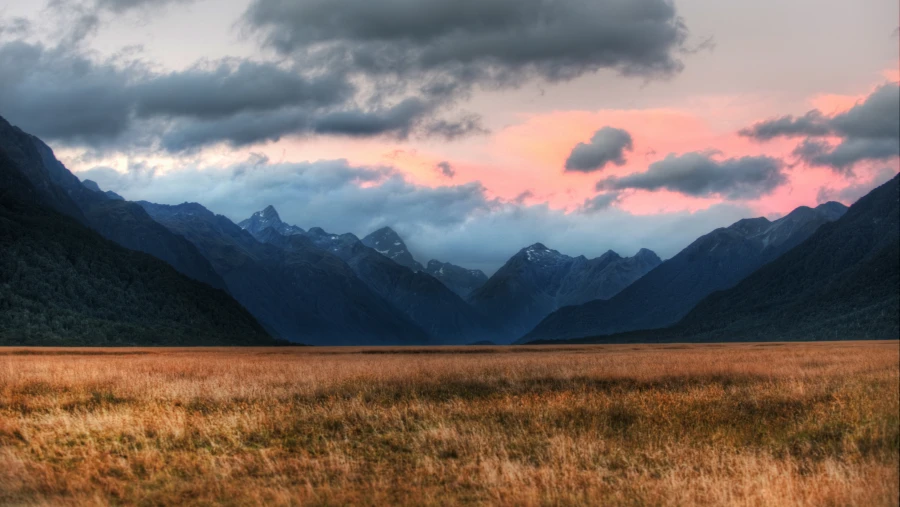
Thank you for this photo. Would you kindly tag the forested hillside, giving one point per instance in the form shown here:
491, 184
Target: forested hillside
63, 284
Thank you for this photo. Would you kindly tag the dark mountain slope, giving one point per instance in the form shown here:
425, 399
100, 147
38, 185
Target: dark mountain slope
713, 262
63, 284
124, 222
302, 294
842, 283
460, 280
537, 280
21, 151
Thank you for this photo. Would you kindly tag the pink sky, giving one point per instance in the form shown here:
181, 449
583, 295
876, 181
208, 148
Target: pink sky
529, 155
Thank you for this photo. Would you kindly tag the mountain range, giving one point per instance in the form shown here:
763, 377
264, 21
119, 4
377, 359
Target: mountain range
839, 284
715, 261
537, 280
78, 258
421, 298
301, 293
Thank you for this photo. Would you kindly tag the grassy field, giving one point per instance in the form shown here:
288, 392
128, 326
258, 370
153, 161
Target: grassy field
742, 424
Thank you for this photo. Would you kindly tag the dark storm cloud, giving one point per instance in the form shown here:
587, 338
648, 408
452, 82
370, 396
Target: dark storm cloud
813, 123
392, 68
62, 95
243, 129
446, 169
451, 129
398, 119
699, 175
847, 153
476, 40
607, 146
235, 87
878, 117
870, 130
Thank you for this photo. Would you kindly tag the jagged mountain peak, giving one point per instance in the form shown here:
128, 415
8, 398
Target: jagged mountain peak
387, 242
91, 185
539, 252
270, 213
268, 218
386, 231
645, 254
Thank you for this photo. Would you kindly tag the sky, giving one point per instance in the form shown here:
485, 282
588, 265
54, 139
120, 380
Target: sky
472, 127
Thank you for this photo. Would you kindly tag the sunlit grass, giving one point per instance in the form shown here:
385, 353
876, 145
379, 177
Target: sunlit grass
752, 424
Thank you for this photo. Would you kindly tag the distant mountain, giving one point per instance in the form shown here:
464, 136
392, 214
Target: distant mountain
124, 222
460, 280
300, 293
421, 298
388, 243
537, 280
63, 284
262, 220
713, 262
840, 284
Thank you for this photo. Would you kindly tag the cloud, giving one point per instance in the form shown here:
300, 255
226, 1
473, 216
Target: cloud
458, 223
699, 175
874, 118
456, 44
59, 94
399, 121
16, 27
330, 193
446, 169
813, 123
848, 153
607, 146
870, 130
600, 202
120, 6
851, 193
78, 20
394, 69
235, 87
62, 95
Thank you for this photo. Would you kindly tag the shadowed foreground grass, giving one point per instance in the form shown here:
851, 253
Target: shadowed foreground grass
748, 424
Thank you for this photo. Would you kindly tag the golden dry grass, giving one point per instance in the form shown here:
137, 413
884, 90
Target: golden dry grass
750, 424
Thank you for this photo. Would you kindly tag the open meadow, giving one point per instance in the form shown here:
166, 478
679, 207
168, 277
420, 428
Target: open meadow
746, 424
